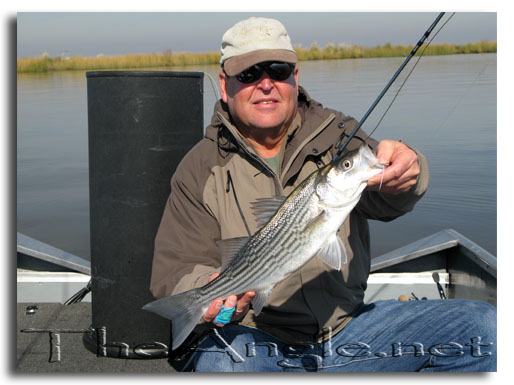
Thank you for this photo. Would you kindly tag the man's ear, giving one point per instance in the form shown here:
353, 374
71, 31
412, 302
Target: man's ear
297, 78
223, 85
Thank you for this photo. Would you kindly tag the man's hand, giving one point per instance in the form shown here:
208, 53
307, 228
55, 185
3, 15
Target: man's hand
241, 302
403, 170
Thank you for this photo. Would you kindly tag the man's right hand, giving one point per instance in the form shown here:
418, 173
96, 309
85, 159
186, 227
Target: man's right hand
241, 302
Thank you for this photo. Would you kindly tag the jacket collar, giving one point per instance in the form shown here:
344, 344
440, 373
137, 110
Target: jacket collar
311, 138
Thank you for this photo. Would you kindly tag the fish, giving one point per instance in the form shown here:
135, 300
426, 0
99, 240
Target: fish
293, 230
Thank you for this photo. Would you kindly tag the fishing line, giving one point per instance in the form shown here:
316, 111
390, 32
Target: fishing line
407, 77
214, 86
382, 177
341, 148
459, 101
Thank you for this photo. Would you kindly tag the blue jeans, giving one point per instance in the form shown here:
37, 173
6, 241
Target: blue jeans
385, 336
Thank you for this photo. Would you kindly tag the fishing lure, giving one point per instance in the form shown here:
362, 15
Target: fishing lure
225, 315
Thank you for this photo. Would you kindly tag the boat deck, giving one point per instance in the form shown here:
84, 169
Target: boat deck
50, 340
41, 352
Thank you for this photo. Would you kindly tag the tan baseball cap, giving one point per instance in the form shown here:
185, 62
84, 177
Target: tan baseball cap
253, 41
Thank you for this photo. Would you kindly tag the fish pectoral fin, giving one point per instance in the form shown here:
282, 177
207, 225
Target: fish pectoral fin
260, 299
265, 208
229, 249
333, 253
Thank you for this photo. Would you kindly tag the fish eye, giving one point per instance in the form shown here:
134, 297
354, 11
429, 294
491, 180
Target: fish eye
346, 164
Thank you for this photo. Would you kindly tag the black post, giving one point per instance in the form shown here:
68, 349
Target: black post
141, 124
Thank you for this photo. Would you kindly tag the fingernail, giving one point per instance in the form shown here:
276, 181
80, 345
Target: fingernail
231, 301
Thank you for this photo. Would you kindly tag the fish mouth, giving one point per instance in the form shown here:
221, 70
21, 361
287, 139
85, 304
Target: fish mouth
369, 159
367, 156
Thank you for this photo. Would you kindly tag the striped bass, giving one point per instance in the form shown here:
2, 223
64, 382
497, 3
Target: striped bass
294, 230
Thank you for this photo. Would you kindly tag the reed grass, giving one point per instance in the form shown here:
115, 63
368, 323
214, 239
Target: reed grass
171, 59
342, 51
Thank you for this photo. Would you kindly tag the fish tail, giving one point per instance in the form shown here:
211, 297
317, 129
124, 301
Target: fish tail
183, 310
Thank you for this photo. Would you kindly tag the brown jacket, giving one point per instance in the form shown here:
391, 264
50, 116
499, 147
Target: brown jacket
210, 198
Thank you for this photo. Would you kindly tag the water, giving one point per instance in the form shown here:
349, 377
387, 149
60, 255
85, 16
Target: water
447, 110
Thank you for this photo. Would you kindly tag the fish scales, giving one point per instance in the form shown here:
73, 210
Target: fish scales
285, 239
282, 240
304, 225
271, 254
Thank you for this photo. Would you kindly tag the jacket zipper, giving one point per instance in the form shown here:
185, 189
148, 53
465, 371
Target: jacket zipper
276, 179
229, 184
321, 127
251, 154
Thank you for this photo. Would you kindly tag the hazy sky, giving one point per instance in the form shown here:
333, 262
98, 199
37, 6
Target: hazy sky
114, 33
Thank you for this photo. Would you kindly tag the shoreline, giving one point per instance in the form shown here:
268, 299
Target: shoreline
44, 63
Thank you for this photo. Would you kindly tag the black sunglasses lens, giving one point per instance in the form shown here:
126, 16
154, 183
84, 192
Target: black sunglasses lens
279, 71
276, 71
249, 75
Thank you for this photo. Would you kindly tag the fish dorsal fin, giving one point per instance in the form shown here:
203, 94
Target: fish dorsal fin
229, 249
333, 253
265, 208
260, 299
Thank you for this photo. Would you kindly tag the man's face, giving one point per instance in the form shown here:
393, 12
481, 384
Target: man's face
263, 104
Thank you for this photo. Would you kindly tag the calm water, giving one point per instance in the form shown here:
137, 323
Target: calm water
447, 109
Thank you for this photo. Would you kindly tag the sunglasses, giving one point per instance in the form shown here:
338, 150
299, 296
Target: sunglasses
278, 71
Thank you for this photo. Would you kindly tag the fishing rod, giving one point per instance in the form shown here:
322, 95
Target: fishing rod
340, 148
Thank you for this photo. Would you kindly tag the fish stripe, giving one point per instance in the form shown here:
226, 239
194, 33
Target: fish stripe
274, 253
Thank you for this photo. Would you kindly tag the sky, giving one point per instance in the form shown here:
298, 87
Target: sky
115, 33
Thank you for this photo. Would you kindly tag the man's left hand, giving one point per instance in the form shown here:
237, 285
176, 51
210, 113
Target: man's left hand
402, 171
241, 302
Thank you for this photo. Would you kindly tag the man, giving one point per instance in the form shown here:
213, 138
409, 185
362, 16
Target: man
266, 136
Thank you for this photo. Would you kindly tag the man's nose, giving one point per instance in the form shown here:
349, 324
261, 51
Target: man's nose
265, 82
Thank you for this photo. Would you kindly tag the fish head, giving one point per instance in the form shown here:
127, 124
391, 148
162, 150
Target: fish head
346, 177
